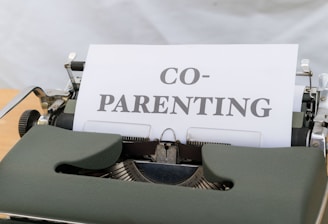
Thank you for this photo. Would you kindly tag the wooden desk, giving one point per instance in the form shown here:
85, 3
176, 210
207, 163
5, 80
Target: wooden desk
9, 123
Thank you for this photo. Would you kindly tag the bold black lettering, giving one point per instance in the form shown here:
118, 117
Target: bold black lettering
105, 100
141, 102
196, 75
235, 104
202, 105
184, 107
219, 102
122, 104
164, 73
160, 102
266, 111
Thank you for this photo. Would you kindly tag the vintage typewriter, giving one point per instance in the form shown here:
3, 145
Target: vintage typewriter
56, 175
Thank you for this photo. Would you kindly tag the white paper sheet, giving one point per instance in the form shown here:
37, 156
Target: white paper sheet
202, 92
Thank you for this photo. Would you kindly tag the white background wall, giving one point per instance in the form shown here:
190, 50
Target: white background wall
36, 36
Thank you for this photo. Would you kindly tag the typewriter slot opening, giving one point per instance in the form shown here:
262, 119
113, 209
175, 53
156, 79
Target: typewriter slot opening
127, 169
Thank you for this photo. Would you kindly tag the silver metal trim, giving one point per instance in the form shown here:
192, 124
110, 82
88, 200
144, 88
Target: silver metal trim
39, 92
41, 218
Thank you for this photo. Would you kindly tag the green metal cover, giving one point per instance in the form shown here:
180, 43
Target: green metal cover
282, 185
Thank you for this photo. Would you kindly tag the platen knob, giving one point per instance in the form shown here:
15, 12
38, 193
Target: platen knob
27, 120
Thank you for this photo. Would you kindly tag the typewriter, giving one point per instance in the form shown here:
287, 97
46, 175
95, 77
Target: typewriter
56, 175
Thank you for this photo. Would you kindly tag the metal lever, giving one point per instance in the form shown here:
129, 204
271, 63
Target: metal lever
306, 71
45, 98
166, 152
40, 93
68, 67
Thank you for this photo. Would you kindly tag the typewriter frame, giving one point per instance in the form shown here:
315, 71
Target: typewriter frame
59, 108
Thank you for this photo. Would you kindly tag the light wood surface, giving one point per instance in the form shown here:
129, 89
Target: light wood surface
9, 123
